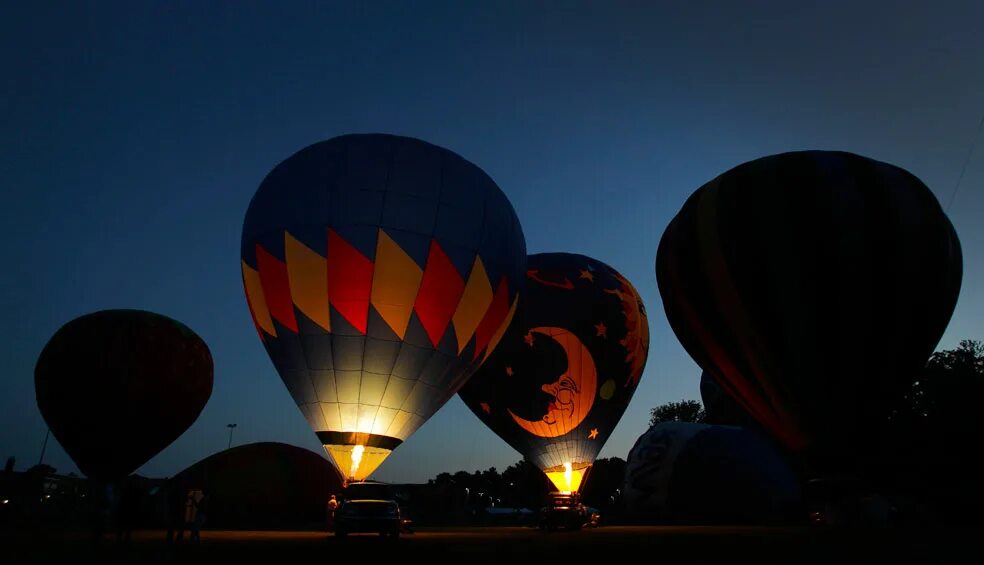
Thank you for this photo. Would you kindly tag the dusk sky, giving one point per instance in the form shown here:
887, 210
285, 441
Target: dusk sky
135, 133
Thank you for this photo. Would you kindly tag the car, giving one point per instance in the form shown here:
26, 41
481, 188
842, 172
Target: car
563, 510
366, 490
368, 515
594, 518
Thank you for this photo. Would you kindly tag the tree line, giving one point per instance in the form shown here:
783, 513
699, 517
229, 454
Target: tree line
927, 451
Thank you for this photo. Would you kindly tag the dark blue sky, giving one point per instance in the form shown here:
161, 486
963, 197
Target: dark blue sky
135, 133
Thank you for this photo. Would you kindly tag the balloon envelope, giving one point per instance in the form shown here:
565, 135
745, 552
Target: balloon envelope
118, 386
811, 286
380, 271
261, 485
720, 408
686, 472
559, 383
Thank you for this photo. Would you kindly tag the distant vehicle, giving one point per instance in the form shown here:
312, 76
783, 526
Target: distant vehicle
563, 510
594, 518
368, 516
841, 501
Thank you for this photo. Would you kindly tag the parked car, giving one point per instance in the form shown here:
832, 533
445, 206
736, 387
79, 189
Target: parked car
368, 516
594, 518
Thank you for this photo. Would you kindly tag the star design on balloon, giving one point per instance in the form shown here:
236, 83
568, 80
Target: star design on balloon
485, 407
616, 292
593, 434
529, 339
601, 330
509, 371
586, 274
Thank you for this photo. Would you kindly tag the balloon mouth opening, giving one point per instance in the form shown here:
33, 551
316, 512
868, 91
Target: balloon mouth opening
356, 455
568, 477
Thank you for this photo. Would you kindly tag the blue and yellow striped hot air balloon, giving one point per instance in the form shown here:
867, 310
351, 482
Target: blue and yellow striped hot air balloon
380, 272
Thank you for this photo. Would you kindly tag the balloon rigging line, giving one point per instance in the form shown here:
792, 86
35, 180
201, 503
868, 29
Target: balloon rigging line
963, 170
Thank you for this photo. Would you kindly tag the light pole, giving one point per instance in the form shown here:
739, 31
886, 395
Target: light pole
231, 427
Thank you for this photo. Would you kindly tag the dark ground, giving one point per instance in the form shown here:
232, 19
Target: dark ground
608, 544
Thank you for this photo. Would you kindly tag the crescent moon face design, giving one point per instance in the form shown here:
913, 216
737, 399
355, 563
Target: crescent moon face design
574, 392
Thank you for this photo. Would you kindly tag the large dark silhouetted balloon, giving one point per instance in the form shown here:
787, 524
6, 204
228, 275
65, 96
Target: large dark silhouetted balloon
118, 386
695, 473
563, 376
811, 286
380, 271
262, 485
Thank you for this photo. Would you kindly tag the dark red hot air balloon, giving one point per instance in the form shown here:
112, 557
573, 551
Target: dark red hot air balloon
811, 286
118, 386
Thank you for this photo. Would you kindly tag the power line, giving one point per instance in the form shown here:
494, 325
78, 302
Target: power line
970, 153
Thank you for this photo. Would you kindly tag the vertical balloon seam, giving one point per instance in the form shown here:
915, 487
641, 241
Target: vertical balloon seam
309, 370
729, 303
700, 345
704, 239
372, 277
481, 241
702, 203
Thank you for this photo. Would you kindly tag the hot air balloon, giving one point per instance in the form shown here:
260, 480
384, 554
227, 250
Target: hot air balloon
560, 382
262, 486
380, 271
721, 409
811, 286
118, 386
695, 473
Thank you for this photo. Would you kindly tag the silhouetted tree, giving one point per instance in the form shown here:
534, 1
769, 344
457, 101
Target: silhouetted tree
34, 478
602, 489
683, 411
41, 470
950, 379
442, 479
931, 438
525, 485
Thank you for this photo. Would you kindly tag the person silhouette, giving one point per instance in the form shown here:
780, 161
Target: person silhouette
128, 509
175, 504
105, 506
195, 513
332, 507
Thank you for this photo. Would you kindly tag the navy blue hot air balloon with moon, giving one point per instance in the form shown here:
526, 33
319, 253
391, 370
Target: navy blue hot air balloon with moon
563, 376
380, 272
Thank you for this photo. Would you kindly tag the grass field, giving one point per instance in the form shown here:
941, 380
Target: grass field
606, 545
